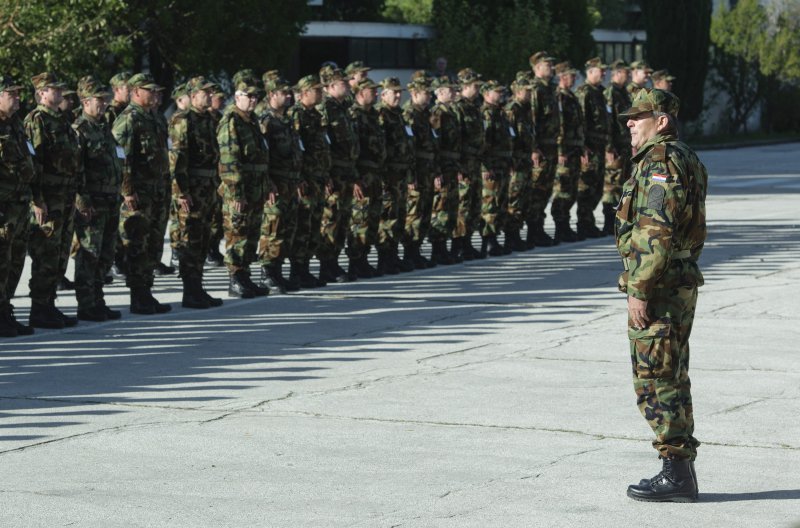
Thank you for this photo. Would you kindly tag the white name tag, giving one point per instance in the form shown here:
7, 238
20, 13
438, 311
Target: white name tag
120, 152
266, 145
609, 109
300, 144
512, 132
435, 135
30, 148
409, 131
169, 143
327, 138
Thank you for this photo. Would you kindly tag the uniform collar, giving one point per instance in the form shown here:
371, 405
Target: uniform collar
653, 141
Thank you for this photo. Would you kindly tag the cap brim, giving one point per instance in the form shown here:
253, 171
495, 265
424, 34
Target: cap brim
11, 88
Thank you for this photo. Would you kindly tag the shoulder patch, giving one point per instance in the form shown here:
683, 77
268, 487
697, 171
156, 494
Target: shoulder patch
655, 197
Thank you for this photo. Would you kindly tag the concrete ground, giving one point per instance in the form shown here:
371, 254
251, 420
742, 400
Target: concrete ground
489, 394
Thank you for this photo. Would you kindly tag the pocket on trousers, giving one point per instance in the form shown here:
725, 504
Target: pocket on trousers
653, 351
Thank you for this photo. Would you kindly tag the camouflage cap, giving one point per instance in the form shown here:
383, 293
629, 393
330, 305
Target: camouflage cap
270, 75
246, 87
524, 75
619, 64
654, 100
120, 79
521, 83
89, 86
355, 66
492, 86
442, 82
196, 84
662, 75
7, 84
540, 56
391, 83
247, 75
641, 65
595, 63
565, 68
329, 75
364, 84
143, 80
421, 75
468, 76
46, 80
278, 84
309, 82
179, 91
67, 91
421, 84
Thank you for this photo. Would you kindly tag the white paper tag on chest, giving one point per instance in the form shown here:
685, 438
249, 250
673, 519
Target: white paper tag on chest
169, 143
327, 138
409, 131
434, 134
300, 144
120, 152
512, 131
30, 148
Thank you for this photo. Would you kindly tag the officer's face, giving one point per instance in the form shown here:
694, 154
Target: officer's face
245, 102
9, 102
644, 127
523, 95
337, 89
201, 99
420, 97
620, 76
492, 96
639, 76
217, 101
143, 97
469, 90
391, 98
444, 95
50, 97
367, 96
594, 75
122, 93
277, 99
566, 80
663, 84
94, 106
543, 70
182, 102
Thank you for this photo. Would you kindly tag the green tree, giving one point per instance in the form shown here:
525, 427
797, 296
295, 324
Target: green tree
409, 11
678, 39
351, 10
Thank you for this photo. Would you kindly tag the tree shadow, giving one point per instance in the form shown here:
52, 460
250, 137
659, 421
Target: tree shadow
750, 496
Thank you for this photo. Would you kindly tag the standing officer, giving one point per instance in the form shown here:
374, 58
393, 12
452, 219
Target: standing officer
16, 178
163, 202
398, 174
146, 161
661, 229
355, 72
597, 132
193, 159
96, 233
444, 209
215, 258
618, 166
121, 98
662, 80
470, 185
640, 74
56, 162
367, 207
546, 120
244, 170
518, 111
279, 224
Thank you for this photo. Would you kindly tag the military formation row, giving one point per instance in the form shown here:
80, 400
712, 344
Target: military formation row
342, 168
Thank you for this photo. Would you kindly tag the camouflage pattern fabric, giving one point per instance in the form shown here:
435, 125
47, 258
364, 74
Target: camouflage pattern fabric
166, 212
546, 119
420, 200
446, 125
570, 143
617, 100
217, 232
113, 110
597, 133
471, 185
495, 168
519, 117
56, 163
660, 232
399, 163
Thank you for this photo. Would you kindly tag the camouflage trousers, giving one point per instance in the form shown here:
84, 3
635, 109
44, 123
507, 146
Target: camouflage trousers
142, 234
590, 185
470, 187
166, 214
97, 241
517, 194
279, 224
217, 229
366, 216
494, 201
616, 174
541, 188
336, 213
49, 242
444, 208
190, 236
419, 203
242, 231
565, 187
660, 363
393, 207
14, 226
307, 235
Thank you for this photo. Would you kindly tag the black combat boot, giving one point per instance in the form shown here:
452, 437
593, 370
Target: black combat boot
676, 483
439, 253
564, 232
65, 285
300, 275
271, 279
111, 315
387, 264
193, 294
260, 291
330, 271
239, 287
288, 285
491, 247
215, 259
537, 235
42, 316
7, 326
69, 321
513, 241
22, 329
96, 314
609, 213
162, 270
403, 265
357, 268
469, 249
420, 262
587, 229
140, 302
160, 308
457, 250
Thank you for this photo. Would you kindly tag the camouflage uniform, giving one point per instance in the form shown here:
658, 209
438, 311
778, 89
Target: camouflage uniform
56, 162
371, 168
519, 117
597, 133
164, 202
618, 100
660, 231
113, 110
217, 231
495, 168
571, 144
17, 175
101, 169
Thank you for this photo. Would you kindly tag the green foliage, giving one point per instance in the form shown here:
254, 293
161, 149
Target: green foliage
409, 11
351, 10
608, 14
678, 39
496, 37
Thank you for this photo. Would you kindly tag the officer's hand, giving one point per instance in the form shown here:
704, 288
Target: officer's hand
487, 176
329, 186
536, 158
611, 157
637, 313
40, 213
239, 205
87, 213
585, 162
562, 160
358, 192
302, 189
271, 197
437, 183
132, 202
185, 203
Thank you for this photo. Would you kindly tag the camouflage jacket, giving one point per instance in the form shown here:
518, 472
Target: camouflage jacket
596, 121
372, 142
113, 110
632, 88
446, 125
193, 153
469, 111
546, 117
243, 157
145, 148
618, 100
57, 150
216, 117
398, 136
100, 163
163, 131
661, 219
16, 164
519, 117
570, 131
309, 124
285, 154
498, 147
341, 132
425, 145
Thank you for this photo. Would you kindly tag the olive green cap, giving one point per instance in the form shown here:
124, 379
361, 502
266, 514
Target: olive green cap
120, 79
641, 65
492, 86
196, 84
365, 84
596, 62
329, 74
46, 80
179, 91
654, 100
468, 76
421, 75
7, 84
277, 84
247, 75
391, 83
143, 80
540, 56
309, 82
565, 68
620, 64
355, 66
89, 86
442, 82
662, 75
521, 83
248, 88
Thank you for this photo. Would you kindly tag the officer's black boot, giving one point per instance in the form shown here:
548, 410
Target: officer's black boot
99, 300
587, 229
7, 326
239, 287
159, 307
94, 313
457, 250
330, 271
538, 236
162, 269
469, 249
439, 254
43, 317
421, 261
403, 265
214, 257
140, 302
564, 232
293, 282
65, 285
491, 247
514, 242
69, 321
386, 262
22, 329
260, 291
300, 274
675, 483
270, 279
288, 285
193, 294
608, 219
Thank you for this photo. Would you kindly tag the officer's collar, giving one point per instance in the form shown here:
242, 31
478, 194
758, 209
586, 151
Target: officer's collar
658, 138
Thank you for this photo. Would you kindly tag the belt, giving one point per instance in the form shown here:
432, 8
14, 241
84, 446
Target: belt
574, 143
398, 166
546, 142
368, 164
450, 155
202, 173
283, 173
343, 164
102, 189
255, 167
425, 155
501, 153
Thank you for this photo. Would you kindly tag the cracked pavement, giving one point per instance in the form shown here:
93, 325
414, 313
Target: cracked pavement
493, 393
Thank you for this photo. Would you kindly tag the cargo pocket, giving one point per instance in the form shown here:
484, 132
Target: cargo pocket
652, 351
